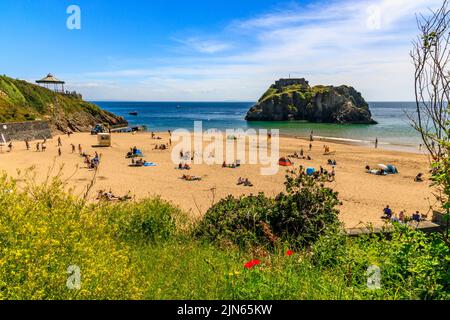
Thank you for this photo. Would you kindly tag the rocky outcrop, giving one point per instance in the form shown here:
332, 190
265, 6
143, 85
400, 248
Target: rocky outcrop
295, 99
21, 101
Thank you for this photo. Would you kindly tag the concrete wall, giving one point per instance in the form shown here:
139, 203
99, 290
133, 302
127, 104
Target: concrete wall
32, 130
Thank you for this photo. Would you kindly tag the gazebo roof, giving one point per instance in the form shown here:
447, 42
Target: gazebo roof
50, 79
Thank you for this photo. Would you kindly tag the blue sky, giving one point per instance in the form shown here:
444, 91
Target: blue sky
212, 50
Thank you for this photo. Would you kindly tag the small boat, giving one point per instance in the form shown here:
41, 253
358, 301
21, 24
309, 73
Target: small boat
134, 113
178, 107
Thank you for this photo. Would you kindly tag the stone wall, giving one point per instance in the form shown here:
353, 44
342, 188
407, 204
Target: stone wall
291, 81
32, 130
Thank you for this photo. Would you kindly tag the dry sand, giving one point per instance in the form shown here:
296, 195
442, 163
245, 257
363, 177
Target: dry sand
363, 195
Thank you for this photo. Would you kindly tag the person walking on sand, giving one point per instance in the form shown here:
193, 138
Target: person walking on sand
80, 150
43, 147
10, 146
27, 144
310, 146
73, 147
376, 143
59, 142
38, 147
59, 152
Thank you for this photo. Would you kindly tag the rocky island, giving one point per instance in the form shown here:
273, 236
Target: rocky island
21, 101
295, 99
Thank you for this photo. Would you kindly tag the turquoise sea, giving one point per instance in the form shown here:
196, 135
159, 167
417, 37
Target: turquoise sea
393, 129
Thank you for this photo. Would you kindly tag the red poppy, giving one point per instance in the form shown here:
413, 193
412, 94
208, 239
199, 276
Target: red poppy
252, 263
289, 253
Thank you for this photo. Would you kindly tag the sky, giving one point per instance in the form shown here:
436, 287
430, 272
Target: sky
196, 50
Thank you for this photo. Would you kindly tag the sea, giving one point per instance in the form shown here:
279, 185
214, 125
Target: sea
393, 130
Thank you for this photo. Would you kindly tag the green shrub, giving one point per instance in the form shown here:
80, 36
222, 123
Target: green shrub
237, 220
298, 216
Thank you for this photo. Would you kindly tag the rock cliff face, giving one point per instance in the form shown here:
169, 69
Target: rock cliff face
295, 99
22, 101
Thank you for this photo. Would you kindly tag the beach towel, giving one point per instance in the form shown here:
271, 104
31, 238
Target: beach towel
310, 171
150, 164
392, 169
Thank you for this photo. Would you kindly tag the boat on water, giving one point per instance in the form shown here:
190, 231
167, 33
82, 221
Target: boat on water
134, 113
178, 107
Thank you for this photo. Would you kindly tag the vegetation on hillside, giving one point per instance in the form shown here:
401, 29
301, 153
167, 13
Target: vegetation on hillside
23, 101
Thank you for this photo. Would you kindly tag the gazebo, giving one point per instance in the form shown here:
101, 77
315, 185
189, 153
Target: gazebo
50, 82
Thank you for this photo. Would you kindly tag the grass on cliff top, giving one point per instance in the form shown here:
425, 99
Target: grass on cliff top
305, 94
24, 101
146, 250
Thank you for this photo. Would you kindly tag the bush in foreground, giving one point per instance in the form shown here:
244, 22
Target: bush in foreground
298, 216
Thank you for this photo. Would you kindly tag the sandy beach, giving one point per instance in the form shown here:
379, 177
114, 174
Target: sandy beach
363, 195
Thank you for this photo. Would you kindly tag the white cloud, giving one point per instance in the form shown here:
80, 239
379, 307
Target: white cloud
361, 43
204, 46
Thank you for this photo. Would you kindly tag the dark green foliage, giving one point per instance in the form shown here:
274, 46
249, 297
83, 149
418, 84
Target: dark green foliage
305, 211
237, 220
298, 216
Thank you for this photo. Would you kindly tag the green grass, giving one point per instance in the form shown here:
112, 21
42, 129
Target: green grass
147, 250
23, 101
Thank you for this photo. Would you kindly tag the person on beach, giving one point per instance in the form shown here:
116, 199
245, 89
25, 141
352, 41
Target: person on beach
43, 147
38, 147
376, 143
73, 147
416, 216
310, 146
59, 142
401, 216
387, 212
10, 147
418, 178
59, 152
27, 144
80, 150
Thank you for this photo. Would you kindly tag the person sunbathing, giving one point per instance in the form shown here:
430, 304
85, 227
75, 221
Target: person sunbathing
190, 178
186, 167
419, 178
241, 181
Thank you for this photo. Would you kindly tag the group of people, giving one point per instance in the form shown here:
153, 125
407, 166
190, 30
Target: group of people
161, 147
244, 182
300, 155
402, 217
190, 178
91, 163
234, 165
109, 196
185, 166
